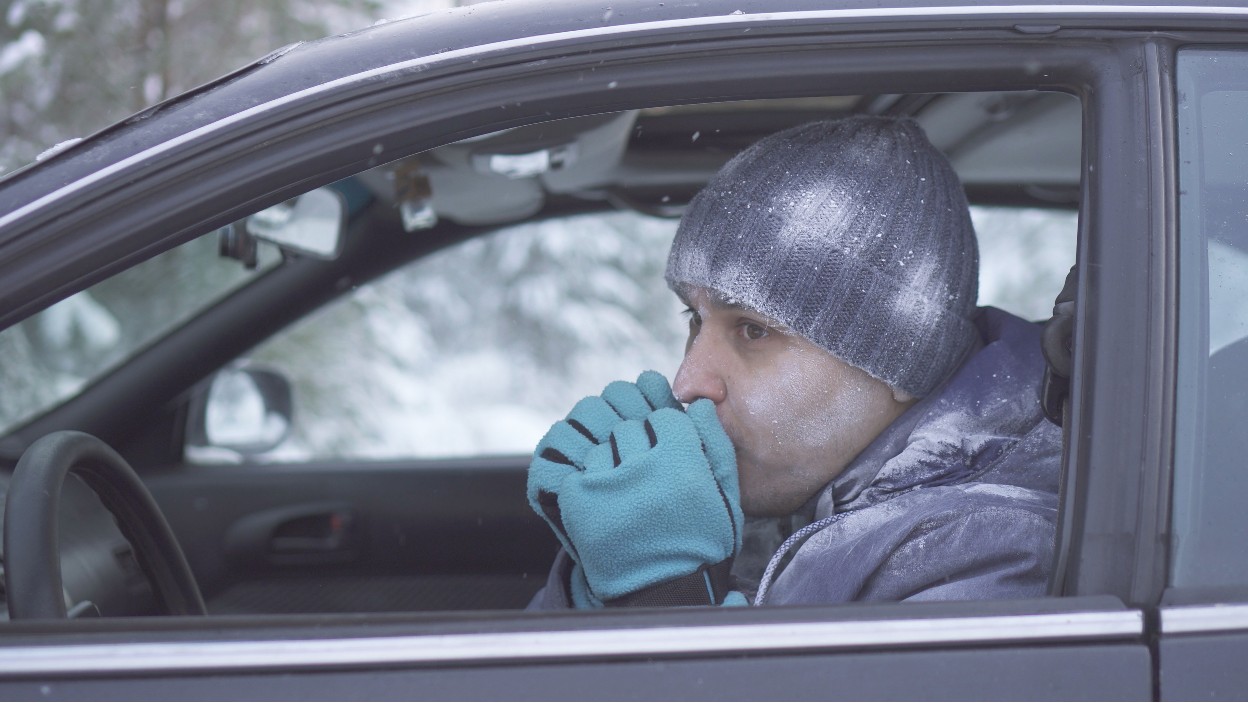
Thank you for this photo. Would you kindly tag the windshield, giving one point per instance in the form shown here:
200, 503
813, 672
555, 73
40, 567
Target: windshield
51, 356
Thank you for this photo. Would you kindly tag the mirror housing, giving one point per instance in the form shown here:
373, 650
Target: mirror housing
243, 410
311, 224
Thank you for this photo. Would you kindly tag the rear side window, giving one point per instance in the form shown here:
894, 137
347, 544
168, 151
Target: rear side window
1210, 524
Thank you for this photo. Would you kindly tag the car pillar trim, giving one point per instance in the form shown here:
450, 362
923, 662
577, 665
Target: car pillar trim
1203, 618
18, 661
424, 62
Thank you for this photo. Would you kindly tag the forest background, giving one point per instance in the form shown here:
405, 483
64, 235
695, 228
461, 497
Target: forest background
71, 67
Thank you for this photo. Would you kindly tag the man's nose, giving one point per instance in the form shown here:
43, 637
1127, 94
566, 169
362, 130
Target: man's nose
699, 376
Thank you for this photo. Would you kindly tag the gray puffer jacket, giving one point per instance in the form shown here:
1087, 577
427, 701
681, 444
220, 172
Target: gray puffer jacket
956, 500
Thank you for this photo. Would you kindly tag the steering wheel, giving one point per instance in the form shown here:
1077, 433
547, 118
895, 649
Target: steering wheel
32, 564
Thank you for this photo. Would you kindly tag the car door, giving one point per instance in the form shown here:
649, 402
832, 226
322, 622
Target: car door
1089, 642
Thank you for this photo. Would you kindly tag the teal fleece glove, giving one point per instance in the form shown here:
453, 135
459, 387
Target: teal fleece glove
650, 509
568, 441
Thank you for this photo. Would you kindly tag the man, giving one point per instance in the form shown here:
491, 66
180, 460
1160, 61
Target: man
840, 382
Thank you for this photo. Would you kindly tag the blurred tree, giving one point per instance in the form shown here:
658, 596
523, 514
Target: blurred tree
70, 67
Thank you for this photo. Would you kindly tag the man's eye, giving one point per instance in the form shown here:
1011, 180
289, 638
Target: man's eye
695, 320
752, 331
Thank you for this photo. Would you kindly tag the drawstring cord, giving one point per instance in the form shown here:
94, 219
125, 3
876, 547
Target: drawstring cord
764, 585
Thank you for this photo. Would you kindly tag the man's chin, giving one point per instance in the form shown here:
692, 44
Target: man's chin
758, 495
772, 498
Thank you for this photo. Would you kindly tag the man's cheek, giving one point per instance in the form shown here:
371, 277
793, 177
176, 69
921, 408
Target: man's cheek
750, 481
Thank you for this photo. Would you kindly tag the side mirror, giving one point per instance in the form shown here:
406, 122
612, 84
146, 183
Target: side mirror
246, 411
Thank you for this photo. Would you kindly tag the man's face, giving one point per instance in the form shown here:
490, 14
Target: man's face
796, 414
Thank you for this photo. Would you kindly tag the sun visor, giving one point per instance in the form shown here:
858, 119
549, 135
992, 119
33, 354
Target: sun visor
505, 176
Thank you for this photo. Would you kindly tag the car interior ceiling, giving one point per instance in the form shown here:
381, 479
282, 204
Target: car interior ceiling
1009, 148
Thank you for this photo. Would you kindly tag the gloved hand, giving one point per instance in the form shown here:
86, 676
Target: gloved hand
588, 425
646, 504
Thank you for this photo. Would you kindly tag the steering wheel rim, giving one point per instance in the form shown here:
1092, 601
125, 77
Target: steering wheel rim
32, 565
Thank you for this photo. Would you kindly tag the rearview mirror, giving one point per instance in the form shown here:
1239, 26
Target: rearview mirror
310, 224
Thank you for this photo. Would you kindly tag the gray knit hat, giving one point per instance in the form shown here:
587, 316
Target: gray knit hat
854, 234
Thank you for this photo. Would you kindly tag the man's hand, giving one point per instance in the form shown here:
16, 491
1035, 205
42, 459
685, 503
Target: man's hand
566, 444
643, 496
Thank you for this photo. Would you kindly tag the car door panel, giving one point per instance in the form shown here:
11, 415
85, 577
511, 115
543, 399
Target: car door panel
1091, 672
1201, 652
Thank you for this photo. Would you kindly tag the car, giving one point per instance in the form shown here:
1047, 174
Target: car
276, 350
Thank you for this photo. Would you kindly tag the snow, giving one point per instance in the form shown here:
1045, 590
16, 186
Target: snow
16, 13
479, 348
1228, 288
57, 148
29, 45
237, 414
67, 18
82, 322
1024, 255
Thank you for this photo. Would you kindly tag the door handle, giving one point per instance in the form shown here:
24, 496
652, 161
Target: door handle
297, 535
317, 533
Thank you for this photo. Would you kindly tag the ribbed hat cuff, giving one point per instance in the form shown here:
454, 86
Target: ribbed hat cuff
854, 334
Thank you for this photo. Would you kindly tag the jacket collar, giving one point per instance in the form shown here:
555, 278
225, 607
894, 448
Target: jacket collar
955, 434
